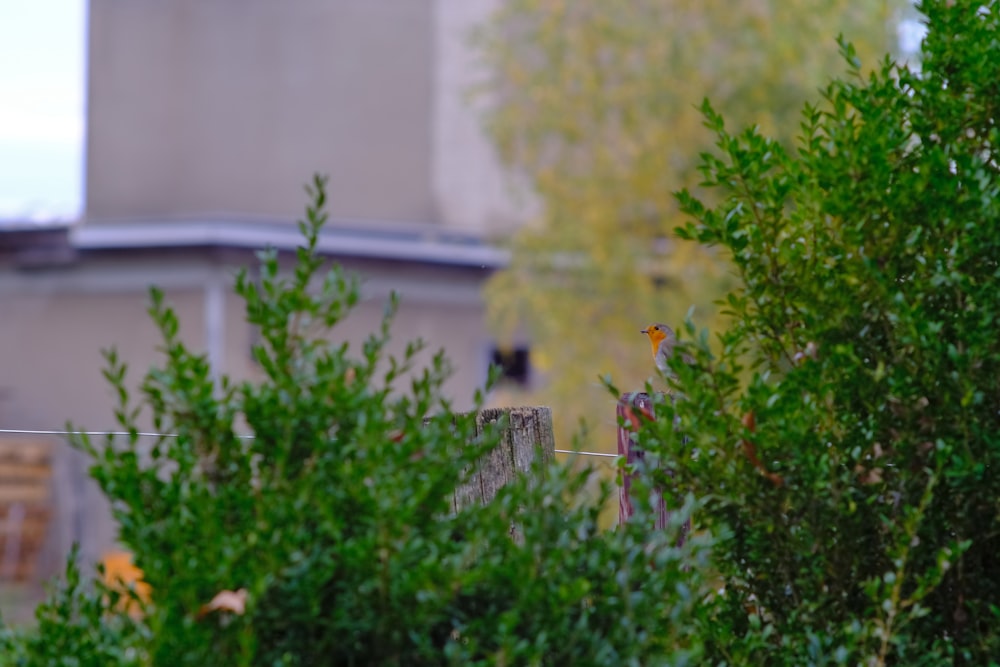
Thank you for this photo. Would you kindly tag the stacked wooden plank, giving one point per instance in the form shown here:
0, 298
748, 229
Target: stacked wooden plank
25, 504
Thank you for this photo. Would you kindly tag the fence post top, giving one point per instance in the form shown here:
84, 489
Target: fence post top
641, 398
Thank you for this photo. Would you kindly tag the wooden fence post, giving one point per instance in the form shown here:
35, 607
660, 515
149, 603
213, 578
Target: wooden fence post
528, 436
632, 409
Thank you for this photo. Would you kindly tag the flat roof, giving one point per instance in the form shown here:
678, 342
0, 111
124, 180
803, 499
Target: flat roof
426, 244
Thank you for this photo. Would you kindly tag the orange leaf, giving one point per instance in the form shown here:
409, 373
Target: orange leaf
119, 574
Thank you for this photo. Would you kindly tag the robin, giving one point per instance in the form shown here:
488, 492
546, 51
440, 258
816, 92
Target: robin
664, 341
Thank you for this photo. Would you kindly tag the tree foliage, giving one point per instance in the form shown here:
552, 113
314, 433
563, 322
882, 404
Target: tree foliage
593, 102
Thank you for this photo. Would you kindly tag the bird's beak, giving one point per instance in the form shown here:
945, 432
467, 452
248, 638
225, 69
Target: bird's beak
645, 331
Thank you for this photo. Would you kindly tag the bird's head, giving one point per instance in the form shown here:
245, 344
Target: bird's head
658, 332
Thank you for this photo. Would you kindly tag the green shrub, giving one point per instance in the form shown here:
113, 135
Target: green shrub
855, 470
75, 628
335, 518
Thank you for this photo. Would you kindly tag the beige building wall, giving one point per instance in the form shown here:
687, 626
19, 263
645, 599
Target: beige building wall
55, 323
54, 326
201, 107
228, 106
471, 189
52, 331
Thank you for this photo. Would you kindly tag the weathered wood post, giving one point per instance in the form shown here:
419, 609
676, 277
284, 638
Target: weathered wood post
527, 437
634, 408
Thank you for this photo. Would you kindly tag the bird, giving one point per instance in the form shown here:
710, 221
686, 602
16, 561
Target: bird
664, 341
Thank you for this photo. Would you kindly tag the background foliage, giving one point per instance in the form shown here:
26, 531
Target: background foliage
594, 104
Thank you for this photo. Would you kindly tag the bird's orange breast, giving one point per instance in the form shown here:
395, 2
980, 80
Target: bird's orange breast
655, 336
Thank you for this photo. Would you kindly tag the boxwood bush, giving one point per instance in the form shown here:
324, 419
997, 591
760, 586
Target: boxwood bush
855, 471
330, 533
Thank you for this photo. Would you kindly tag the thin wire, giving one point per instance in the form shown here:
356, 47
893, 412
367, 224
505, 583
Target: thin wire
142, 433
246, 437
574, 451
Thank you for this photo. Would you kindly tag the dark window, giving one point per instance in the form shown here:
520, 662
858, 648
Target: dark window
514, 363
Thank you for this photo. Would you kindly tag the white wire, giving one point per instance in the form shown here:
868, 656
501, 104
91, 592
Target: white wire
143, 433
581, 453
248, 437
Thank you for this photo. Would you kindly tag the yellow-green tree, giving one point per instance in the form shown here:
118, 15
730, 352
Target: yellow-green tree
595, 104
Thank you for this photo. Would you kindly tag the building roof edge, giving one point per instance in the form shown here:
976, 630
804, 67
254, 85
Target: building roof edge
428, 246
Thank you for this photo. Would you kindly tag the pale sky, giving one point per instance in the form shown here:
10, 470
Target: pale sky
42, 102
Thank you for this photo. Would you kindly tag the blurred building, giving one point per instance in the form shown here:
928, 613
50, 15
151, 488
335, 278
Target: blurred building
205, 120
